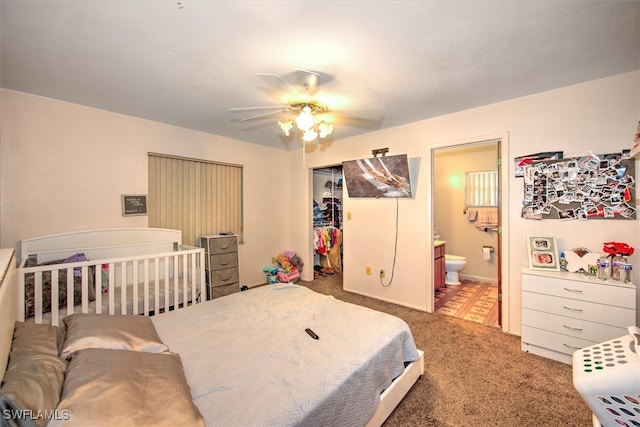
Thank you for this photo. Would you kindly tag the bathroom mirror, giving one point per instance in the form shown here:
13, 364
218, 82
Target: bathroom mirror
481, 188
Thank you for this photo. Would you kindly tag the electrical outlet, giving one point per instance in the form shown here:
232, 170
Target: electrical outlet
367, 270
382, 273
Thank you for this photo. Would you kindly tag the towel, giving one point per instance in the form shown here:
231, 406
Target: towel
487, 219
472, 214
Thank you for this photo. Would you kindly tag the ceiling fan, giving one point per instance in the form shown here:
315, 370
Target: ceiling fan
308, 107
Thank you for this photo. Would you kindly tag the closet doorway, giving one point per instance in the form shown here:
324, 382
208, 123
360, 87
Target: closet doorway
327, 220
465, 201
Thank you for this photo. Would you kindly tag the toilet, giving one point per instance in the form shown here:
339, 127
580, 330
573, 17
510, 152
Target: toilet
452, 265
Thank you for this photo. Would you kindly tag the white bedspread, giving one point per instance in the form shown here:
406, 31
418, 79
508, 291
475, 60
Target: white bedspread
249, 361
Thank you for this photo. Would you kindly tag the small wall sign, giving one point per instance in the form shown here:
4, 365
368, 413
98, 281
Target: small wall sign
134, 204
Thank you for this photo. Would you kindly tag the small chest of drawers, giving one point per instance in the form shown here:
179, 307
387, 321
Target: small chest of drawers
221, 264
563, 312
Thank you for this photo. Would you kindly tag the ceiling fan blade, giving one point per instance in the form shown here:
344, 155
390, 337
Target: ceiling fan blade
373, 114
276, 81
267, 107
257, 116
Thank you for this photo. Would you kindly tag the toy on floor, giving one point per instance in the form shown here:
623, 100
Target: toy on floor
291, 266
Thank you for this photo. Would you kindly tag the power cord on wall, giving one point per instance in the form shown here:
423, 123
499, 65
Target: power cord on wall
395, 251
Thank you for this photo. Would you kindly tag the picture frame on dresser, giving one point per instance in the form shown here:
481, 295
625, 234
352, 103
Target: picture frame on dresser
543, 253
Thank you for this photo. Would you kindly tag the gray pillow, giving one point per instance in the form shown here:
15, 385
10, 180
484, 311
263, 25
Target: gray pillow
118, 332
40, 338
106, 387
35, 374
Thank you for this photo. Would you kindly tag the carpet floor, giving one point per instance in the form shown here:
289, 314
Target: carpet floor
475, 375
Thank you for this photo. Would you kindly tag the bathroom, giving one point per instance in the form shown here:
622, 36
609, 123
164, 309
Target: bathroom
470, 230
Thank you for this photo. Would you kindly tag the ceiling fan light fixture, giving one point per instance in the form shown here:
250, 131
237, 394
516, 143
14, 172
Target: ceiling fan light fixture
325, 129
305, 120
286, 126
309, 135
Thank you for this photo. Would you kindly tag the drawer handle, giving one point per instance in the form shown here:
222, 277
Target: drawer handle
579, 310
572, 328
579, 291
571, 346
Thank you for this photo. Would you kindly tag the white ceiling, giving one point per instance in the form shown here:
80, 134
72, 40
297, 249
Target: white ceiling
186, 62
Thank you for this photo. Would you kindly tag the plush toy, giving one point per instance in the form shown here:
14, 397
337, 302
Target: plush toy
297, 262
284, 262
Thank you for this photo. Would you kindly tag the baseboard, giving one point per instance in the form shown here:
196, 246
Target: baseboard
365, 294
478, 278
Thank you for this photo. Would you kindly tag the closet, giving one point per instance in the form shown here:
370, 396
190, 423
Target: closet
327, 220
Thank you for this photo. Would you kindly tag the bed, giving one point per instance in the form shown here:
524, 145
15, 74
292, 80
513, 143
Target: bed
246, 358
121, 270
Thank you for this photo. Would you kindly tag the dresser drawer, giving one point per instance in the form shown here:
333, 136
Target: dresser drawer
218, 262
576, 328
222, 277
219, 245
220, 291
602, 293
553, 341
578, 309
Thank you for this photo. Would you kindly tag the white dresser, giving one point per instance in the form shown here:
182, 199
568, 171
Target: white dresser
563, 312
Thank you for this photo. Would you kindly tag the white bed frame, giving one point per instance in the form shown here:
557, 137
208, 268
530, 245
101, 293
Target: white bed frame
104, 246
391, 397
165, 271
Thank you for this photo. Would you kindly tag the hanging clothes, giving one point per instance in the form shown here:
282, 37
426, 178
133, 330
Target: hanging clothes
327, 241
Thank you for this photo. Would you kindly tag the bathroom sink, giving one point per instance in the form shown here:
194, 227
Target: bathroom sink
439, 242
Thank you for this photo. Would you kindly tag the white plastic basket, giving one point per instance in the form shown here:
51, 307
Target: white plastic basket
607, 376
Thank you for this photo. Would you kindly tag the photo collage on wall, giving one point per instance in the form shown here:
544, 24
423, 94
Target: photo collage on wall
589, 187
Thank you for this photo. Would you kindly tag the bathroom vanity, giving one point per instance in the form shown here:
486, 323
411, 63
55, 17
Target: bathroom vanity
438, 264
563, 312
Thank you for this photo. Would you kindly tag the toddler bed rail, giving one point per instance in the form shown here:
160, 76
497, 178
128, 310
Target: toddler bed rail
112, 271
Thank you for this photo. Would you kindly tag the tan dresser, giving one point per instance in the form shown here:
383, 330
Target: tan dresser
563, 312
221, 265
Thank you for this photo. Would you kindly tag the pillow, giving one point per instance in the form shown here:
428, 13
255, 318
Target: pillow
30, 280
120, 332
116, 387
32, 337
35, 373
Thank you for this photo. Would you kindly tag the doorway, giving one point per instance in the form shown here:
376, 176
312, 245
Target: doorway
466, 212
327, 220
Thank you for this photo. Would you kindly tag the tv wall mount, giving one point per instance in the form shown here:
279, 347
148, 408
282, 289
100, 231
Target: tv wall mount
377, 151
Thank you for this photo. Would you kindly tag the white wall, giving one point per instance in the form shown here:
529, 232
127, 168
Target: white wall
64, 167
598, 116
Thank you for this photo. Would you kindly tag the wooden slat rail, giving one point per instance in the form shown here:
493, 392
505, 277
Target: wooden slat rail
180, 273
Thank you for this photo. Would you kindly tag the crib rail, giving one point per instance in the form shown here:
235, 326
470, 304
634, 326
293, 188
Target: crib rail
143, 284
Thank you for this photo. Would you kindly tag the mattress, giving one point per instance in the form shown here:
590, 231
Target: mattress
249, 361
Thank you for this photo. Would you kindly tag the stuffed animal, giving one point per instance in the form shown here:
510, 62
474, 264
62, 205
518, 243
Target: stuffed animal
284, 262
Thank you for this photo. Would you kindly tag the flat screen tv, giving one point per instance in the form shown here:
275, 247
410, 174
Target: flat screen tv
386, 176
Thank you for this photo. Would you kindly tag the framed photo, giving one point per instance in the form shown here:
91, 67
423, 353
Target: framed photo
134, 204
543, 253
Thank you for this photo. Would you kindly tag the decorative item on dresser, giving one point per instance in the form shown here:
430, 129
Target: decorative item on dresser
221, 265
563, 312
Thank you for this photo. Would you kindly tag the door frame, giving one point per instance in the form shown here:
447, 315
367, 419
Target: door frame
504, 289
